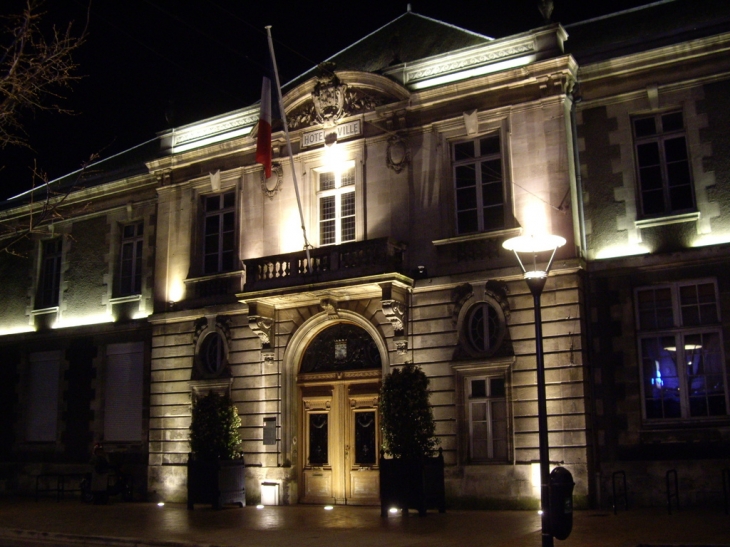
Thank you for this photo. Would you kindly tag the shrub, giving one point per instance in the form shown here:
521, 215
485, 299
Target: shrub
214, 428
406, 416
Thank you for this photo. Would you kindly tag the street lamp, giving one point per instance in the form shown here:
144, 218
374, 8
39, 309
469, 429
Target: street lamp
532, 246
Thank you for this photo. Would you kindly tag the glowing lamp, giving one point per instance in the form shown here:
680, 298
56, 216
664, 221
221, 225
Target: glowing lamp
533, 245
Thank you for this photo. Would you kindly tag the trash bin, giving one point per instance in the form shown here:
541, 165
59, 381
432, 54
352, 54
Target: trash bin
561, 503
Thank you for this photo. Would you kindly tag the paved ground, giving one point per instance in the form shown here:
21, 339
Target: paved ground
25, 523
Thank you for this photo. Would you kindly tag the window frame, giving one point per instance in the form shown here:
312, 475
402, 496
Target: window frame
205, 239
678, 330
48, 293
661, 137
478, 160
136, 274
489, 400
465, 373
337, 192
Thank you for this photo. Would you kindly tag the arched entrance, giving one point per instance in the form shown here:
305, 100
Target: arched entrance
339, 382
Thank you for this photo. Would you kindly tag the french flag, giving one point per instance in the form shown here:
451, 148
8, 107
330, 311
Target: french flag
263, 142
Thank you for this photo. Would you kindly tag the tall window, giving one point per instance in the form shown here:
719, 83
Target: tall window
487, 415
50, 275
665, 178
219, 233
680, 343
479, 185
130, 261
336, 196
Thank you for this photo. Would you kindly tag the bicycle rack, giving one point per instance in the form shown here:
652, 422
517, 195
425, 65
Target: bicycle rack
622, 494
670, 494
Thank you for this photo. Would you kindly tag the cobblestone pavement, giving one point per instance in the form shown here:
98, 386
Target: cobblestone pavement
30, 524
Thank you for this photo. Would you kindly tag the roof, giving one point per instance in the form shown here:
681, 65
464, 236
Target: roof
654, 25
405, 39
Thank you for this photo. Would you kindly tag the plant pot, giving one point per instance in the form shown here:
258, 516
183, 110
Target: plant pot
216, 482
412, 484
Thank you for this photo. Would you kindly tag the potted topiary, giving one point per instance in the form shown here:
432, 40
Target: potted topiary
413, 477
216, 471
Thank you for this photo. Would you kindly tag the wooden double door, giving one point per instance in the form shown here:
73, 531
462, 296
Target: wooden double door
341, 438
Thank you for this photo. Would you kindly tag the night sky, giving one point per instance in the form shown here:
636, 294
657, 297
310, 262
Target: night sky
149, 65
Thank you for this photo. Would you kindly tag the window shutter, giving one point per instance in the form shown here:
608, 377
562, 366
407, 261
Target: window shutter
42, 424
124, 392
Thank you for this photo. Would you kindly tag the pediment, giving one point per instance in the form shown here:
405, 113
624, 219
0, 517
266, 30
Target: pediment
333, 95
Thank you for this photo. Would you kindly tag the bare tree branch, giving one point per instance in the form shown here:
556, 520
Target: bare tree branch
36, 68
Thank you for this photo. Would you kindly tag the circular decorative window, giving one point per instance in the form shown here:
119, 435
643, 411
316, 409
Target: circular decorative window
212, 355
484, 328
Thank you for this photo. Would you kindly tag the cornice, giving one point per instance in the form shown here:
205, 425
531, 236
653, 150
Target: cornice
312, 294
533, 45
656, 58
106, 190
496, 83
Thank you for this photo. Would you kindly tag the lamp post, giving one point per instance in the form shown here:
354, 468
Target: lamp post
536, 278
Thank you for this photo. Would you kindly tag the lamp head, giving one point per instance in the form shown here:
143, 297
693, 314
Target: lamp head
532, 245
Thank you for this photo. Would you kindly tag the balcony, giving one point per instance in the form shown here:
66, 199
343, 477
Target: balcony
213, 289
326, 264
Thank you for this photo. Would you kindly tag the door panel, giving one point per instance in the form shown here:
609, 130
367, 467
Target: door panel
363, 484
341, 434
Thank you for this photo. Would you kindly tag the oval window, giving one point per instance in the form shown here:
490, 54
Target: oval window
484, 328
212, 355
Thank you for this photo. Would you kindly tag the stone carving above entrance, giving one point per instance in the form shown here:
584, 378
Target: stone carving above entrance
329, 305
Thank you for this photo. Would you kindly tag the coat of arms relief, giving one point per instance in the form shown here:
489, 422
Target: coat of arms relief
332, 100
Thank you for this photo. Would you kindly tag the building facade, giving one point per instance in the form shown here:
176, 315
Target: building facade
184, 269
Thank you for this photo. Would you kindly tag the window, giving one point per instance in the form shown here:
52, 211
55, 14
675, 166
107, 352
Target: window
482, 324
487, 416
219, 233
50, 276
130, 260
123, 394
665, 179
212, 355
336, 198
479, 185
484, 328
680, 343
43, 382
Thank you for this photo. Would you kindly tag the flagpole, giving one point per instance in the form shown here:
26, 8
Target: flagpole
288, 143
